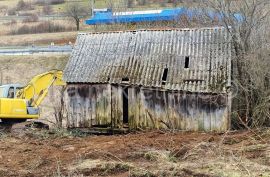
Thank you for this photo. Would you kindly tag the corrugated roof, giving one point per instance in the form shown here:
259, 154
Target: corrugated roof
142, 57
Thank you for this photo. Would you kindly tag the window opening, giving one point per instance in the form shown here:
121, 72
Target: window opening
11, 92
187, 62
125, 79
165, 74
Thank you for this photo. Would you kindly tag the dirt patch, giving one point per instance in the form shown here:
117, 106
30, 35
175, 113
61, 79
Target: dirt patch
48, 153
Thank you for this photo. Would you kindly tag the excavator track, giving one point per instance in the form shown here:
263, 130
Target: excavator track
6, 124
18, 127
5, 128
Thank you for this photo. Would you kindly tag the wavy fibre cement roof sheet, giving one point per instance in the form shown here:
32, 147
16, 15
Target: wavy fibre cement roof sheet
196, 60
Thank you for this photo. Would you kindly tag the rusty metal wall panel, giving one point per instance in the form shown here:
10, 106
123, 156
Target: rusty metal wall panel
143, 55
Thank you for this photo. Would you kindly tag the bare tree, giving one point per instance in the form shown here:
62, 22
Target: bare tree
22, 5
60, 109
58, 105
130, 3
47, 9
77, 11
247, 21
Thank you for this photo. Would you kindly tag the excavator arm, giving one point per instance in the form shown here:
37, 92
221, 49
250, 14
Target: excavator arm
37, 89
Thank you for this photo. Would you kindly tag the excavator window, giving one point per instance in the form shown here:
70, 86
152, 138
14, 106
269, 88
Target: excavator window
2, 92
11, 92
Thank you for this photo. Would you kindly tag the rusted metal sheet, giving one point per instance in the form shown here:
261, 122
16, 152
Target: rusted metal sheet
198, 60
102, 105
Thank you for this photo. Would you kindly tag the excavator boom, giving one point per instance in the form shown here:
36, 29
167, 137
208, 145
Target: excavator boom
36, 90
19, 103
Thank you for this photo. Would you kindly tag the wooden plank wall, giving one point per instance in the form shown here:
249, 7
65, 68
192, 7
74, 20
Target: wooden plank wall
88, 105
153, 109
102, 105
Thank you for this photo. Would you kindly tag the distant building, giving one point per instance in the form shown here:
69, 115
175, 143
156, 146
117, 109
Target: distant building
151, 79
107, 16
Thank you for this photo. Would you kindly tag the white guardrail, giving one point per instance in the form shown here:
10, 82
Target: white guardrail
66, 49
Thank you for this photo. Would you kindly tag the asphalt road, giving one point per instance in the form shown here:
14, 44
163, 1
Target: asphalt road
30, 50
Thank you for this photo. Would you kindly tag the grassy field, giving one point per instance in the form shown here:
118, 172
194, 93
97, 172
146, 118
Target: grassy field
8, 3
60, 38
22, 68
59, 8
8, 29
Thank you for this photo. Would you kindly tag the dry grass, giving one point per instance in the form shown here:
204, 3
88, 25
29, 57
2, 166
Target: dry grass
9, 27
22, 68
9, 3
233, 154
202, 158
38, 39
5, 29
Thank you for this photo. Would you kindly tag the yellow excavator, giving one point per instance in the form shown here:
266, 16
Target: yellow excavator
19, 103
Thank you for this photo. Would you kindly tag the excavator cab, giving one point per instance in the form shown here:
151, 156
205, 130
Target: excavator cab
13, 109
9, 91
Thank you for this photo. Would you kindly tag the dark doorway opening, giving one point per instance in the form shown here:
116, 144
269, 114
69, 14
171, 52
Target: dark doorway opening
125, 106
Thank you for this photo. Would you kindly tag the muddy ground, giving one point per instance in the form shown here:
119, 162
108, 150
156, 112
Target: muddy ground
61, 153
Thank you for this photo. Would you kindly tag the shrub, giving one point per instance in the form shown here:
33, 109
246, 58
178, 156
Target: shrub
31, 18
3, 8
43, 27
40, 2
25, 13
21, 5
57, 2
12, 22
47, 9
11, 11
47, 2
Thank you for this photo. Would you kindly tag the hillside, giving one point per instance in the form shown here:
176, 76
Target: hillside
61, 38
29, 23
20, 69
38, 16
58, 6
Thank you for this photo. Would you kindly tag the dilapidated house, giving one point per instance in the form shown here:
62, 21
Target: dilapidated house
151, 79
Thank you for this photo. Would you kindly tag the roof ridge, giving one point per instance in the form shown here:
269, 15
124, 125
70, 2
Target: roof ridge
154, 29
